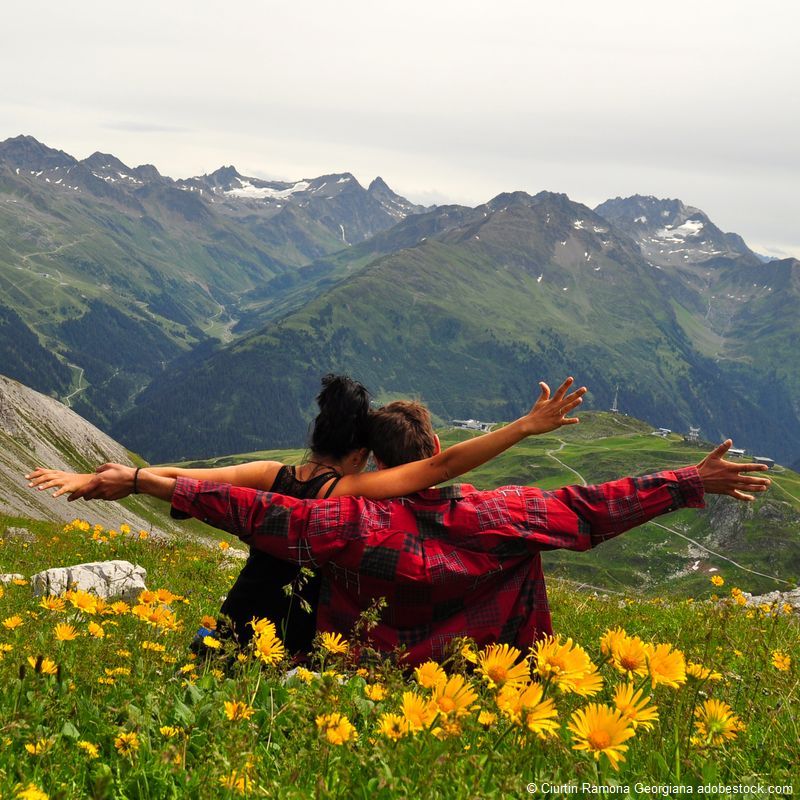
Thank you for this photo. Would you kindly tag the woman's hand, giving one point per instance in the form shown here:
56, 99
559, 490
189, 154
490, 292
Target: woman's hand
65, 482
725, 477
550, 413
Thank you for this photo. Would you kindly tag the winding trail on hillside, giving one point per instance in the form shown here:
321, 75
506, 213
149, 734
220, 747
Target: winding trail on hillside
82, 385
719, 555
549, 454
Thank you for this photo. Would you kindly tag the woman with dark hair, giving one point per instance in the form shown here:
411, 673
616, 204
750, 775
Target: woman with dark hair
339, 447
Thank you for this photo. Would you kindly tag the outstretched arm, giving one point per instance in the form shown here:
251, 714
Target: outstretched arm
254, 475
547, 414
581, 517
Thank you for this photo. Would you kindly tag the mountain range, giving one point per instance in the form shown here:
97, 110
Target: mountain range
195, 316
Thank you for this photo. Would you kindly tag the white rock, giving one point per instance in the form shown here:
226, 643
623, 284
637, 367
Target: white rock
791, 598
7, 577
104, 578
20, 534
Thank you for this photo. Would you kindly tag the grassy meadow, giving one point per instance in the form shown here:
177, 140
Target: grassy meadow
663, 675
106, 701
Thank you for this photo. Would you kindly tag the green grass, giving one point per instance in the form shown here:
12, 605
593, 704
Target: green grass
279, 748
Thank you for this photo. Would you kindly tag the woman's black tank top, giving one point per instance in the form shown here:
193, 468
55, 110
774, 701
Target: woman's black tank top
258, 591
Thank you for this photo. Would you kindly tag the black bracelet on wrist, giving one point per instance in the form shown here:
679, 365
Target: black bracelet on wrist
136, 481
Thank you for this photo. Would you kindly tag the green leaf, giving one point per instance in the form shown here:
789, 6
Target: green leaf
70, 731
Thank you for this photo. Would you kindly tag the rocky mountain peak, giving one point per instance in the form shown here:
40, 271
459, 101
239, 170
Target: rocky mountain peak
25, 152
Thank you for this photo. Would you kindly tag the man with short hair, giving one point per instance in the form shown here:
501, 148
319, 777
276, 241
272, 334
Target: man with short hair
450, 562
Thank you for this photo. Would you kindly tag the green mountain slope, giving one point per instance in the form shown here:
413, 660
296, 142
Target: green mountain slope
469, 320
116, 271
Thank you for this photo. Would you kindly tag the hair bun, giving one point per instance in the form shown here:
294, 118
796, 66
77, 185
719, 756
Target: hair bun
341, 425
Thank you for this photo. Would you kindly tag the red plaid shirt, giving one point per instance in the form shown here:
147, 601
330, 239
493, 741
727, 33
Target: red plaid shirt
450, 562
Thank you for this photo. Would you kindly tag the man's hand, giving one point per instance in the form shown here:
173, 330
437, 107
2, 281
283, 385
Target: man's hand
550, 413
725, 477
110, 482
65, 482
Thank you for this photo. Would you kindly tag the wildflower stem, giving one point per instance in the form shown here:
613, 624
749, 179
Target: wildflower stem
502, 736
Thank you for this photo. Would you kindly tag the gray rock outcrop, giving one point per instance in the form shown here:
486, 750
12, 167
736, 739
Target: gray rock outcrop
105, 579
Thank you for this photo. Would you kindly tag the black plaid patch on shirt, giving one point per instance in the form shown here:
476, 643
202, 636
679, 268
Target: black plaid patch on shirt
275, 522
430, 524
380, 563
413, 594
510, 631
410, 636
412, 543
447, 609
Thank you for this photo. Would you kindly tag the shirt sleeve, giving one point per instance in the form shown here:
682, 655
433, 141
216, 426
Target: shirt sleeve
581, 517
305, 532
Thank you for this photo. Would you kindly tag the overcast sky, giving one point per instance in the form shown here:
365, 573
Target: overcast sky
447, 100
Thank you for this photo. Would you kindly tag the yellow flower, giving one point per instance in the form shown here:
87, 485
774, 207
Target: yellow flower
83, 601
781, 660
237, 710
453, 697
429, 674
563, 664
166, 596
629, 655
468, 654
31, 792
419, 713
106, 681
487, 718
212, 642
45, 666
209, 622
96, 630
263, 626
701, 673
589, 684
5, 648
375, 692
65, 633
120, 607
39, 746
124, 529
517, 702
237, 781
718, 580
787, 609
392, 726
740, 599
127, 743
12, 622
90, 749
143, 534
305, 675
716, 723
169, 731
333, 643
269, 648
336, 727
52, 603
635, 709
224, 546
600, 729
19, 581
610, 638
666, 665
497, 665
